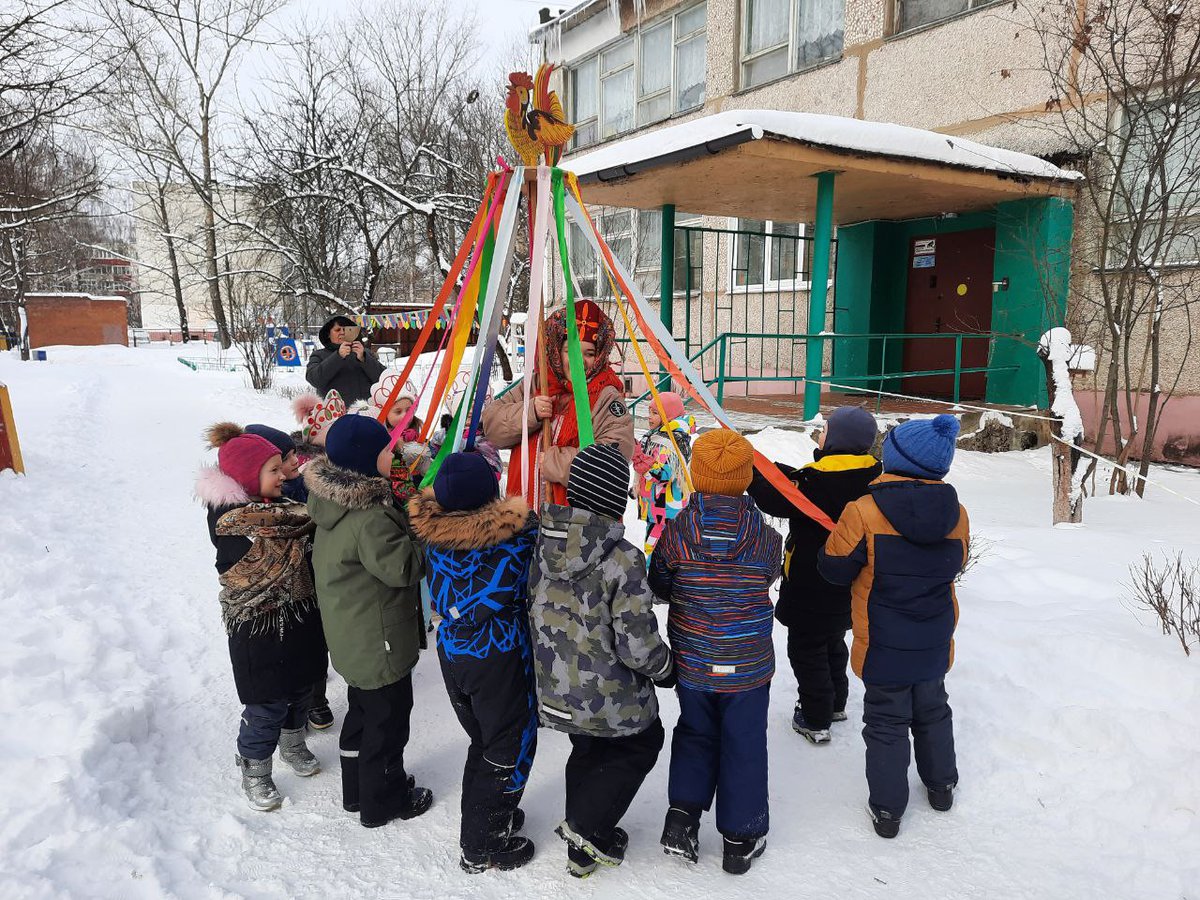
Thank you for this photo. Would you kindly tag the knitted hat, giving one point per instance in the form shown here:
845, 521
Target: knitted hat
355, 442
923, 448
465, 481
282, 441
672, 404
323, 414
722, 463
850, 429
382, 389
242, 459
599, 481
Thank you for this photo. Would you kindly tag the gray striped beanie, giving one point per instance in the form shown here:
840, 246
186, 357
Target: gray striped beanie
599, 481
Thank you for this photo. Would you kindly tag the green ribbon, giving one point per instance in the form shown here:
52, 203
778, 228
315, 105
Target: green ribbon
583, 410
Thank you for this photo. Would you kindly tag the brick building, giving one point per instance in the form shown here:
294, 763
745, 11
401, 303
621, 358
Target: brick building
81, 320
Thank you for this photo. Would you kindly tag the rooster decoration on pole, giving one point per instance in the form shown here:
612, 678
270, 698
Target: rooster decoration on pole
534, 117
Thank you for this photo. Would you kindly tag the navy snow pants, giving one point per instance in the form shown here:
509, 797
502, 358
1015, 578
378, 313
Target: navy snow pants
889, 713
258, 734
719, 749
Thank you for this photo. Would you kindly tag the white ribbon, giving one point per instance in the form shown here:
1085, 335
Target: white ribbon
537, 271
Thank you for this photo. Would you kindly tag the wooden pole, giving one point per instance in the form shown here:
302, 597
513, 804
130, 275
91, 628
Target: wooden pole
530, 191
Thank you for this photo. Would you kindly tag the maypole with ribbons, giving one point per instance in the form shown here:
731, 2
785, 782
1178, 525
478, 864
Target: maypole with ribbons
478, 281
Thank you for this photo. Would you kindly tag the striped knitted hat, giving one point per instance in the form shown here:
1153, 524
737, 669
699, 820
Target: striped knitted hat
599, 481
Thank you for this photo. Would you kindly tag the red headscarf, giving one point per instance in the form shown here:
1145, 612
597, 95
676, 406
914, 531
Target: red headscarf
597, 328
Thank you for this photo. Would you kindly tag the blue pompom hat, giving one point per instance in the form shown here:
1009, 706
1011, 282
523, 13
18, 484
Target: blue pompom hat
922, 449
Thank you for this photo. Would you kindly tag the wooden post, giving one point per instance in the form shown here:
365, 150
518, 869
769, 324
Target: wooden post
10, 447
530, 190
1064, 457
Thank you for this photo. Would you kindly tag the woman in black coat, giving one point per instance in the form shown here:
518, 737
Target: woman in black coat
341, 364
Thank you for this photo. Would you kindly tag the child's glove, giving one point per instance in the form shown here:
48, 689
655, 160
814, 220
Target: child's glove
642, 461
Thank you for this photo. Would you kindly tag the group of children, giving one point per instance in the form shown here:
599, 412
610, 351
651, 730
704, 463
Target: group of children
548, 620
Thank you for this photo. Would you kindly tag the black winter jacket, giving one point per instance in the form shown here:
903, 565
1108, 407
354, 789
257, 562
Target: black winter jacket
352, 378
806, 600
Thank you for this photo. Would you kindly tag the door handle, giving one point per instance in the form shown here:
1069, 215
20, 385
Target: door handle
937, 325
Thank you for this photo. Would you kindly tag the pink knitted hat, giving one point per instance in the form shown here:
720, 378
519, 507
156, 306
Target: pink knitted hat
672, 404
243, 457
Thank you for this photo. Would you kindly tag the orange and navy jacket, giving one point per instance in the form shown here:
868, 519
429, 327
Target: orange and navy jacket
900, 548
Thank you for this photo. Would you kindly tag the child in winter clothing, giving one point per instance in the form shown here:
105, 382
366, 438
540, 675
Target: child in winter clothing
597, 655
477, 552
367, 570
320, 716
901, 548
816, 613
268, 605
661, 479
714, 564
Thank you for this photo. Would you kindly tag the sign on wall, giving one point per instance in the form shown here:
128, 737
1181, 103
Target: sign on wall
286, 353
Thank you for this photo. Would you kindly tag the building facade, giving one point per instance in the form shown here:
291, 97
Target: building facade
970, 69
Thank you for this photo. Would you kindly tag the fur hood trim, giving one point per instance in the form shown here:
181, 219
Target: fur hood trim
345, 488
471, 529
222, 433
216, 489
303, 405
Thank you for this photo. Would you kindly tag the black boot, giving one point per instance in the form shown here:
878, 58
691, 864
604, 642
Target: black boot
514, 853
419, 801
579, 864
320, 717
608, 851
740, 855
941, 798
886, 825
681, 834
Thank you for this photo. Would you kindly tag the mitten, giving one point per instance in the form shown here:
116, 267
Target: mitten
642, 461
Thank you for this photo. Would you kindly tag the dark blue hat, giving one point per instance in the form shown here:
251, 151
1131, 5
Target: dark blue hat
281, 439
849, 429
922, 449
355, 442
465, 481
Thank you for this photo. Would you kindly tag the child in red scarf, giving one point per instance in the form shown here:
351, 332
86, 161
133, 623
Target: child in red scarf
554, 405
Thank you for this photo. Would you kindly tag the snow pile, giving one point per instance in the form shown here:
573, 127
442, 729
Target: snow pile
834, 132
1056, 347
1075, 721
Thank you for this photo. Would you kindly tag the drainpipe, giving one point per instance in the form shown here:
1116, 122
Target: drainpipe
814, 347
666, 294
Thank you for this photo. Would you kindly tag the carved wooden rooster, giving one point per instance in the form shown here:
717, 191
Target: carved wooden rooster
534, 117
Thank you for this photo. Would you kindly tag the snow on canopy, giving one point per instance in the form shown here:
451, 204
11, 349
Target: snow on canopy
832, 132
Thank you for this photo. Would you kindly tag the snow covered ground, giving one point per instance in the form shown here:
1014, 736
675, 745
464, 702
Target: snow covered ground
1076, 721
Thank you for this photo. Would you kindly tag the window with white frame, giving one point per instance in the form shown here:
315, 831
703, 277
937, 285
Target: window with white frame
1158, 187
635, 238
767, 256
912, 14
643, 78
784, 36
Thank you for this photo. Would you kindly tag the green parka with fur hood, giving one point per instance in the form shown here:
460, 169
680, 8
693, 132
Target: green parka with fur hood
368, 570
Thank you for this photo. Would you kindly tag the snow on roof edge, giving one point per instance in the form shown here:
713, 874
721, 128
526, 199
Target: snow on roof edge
836, 132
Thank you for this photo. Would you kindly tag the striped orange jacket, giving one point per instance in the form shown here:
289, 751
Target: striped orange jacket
900, 548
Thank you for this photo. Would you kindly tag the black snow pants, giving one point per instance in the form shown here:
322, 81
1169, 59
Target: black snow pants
889, 713
819, 663
373, 738
493, 697
604, 775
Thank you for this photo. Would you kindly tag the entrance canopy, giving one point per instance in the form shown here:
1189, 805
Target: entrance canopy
757, 164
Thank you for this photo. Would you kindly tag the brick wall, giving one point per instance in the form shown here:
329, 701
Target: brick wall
76, 319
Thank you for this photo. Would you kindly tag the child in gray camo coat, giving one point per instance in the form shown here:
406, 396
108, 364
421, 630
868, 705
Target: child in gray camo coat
597, 655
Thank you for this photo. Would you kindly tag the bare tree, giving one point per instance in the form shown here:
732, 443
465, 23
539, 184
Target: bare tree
1125, 81
252, 304
182, 56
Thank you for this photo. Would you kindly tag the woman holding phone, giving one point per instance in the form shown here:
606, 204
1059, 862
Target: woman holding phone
342, 362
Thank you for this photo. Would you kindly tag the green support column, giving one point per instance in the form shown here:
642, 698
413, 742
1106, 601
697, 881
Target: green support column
666, 289
814, 350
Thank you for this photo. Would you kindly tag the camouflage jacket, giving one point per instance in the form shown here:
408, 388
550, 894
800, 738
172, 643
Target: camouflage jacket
596, 647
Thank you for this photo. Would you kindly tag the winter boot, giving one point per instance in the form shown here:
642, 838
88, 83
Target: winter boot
681, 834
941, 798
886, 825
839, 715
607, 853
740, 855
294, 752
579, 864
257, 784
320, 717
514, 853
419, 801
812, 735
517, 822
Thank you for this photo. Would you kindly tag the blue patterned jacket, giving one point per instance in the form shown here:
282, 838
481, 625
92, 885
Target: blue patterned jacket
477, 564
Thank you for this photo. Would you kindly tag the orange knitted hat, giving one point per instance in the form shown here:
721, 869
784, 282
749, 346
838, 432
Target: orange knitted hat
722, 463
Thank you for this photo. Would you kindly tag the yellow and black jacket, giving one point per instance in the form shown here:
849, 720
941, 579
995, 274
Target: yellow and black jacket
807, 601
900, 548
